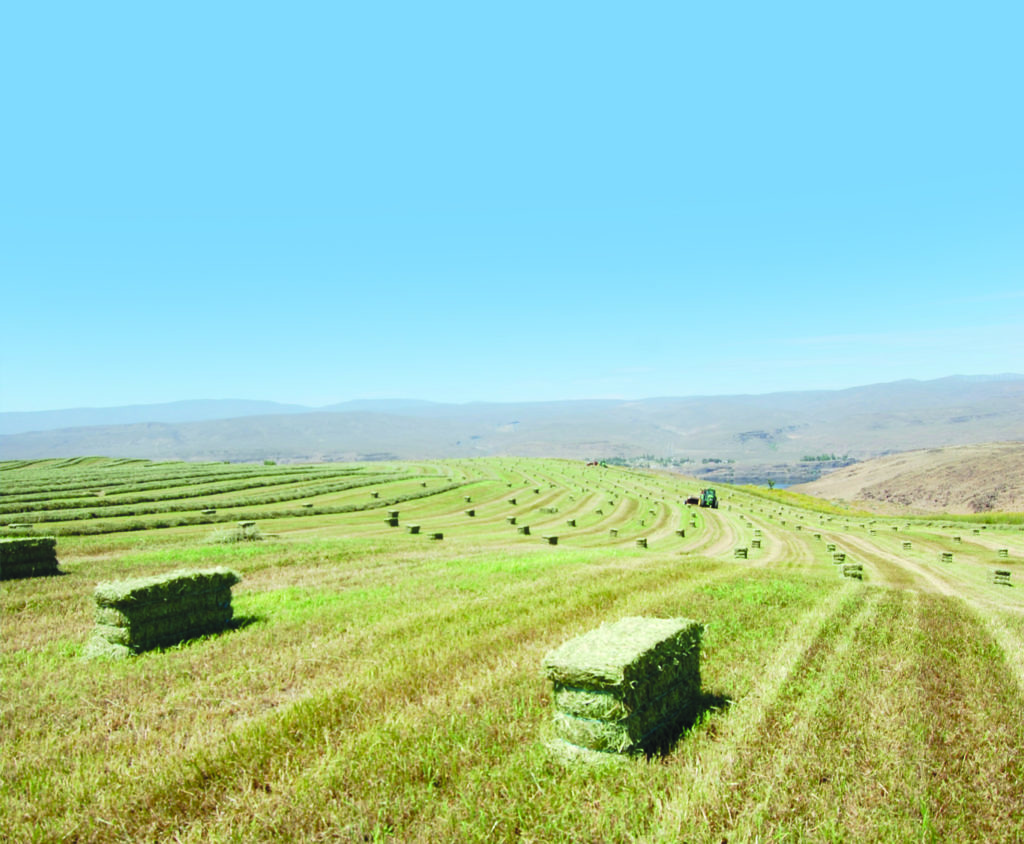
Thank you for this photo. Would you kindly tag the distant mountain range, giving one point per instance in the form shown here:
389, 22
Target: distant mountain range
744, 437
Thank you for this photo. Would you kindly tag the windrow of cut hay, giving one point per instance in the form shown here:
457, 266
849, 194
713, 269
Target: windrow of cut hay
28, 557
624, 687
151, 612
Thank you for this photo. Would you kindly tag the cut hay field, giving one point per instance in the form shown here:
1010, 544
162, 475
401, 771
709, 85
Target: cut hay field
383, 685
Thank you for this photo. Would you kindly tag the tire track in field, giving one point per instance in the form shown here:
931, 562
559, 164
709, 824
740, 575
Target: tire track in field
773, 742
973, 772
721, 764
894, 570
720, 535
786, 547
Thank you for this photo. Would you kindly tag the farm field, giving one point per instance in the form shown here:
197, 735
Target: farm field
383, 685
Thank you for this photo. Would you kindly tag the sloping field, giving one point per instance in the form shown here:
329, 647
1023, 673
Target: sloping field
384, 685
960, 479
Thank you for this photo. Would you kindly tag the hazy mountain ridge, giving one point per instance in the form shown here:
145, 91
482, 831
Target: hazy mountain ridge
764, 435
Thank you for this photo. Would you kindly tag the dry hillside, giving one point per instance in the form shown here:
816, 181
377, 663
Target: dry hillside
958, 479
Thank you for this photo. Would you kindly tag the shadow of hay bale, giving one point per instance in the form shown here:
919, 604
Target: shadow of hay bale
665, 741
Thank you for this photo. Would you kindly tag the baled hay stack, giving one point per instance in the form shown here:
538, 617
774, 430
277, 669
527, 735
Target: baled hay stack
138, 615
625, 686
34, 556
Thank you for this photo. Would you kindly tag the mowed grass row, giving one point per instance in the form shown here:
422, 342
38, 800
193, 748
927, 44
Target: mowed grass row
382, 687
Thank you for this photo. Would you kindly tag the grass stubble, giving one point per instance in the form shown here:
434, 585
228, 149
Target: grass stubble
380, 689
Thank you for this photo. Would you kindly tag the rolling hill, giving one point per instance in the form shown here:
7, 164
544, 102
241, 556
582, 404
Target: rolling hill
960, 479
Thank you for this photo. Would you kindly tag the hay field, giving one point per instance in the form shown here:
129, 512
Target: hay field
380, 685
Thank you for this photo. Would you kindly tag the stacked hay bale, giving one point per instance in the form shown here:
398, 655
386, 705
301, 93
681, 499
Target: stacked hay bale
626, 686
34, 556
138, 615
854, 570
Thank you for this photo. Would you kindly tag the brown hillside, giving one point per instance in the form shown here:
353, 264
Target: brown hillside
957, 479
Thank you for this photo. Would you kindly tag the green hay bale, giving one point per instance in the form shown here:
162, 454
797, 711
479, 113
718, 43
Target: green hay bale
145, 613
617, 689
28, 557
635, 730
573, 756
226, 536
176, 585
634, 658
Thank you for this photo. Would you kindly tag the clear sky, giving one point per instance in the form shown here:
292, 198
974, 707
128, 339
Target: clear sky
315, 202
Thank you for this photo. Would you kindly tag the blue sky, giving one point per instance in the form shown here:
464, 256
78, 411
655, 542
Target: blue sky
316, 202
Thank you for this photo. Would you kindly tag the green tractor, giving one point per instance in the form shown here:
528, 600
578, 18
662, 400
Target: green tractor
708, 498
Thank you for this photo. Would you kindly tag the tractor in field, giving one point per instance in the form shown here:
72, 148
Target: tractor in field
708, 498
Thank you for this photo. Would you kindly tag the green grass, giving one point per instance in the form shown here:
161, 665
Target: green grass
383, 687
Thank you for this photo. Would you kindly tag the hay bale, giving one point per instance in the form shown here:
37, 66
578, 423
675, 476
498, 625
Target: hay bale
613, 532
1001, 577
1003, 553
740, 553
641, 542
34, 556
138, 615
413, 528
551, 540
617, 689
523, 529
571, 522
471, 512
947, 556
510, 519
437, 535
853, 570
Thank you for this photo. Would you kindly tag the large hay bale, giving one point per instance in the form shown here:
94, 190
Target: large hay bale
620, 688
34, 556
138, 615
